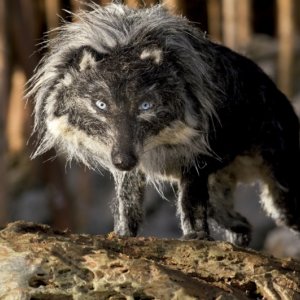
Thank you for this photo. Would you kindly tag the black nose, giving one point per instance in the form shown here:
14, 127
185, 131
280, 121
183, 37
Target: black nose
124, 161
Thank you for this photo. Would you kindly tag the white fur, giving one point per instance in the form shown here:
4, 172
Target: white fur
267, 201
147, 116
245, 169
121, 226
67, 80
154, 54
177, 133
87, 61
74, 139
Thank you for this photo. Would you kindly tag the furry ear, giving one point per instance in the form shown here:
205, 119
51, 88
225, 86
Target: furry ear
154, 54
85, 58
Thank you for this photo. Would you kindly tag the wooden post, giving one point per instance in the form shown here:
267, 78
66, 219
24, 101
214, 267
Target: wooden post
176, 6
4, 93
229, 23
244, 26
105, 2
52, 11
16, 114
214, 13
76, 5
286, 36
149, 2
236, 23
132, 3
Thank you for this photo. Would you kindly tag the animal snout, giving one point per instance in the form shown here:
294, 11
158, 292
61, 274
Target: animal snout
124, 161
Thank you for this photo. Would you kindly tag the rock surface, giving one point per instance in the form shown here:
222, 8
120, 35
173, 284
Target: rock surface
37, 262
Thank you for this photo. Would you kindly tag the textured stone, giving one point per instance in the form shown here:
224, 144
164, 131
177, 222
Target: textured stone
37, 262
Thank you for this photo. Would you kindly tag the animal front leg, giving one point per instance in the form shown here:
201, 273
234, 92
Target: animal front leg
127, 207
192, 206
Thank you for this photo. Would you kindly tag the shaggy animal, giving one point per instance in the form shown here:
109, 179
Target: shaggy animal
145, 95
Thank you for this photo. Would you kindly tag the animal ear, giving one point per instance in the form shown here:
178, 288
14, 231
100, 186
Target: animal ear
154, 54
85, 58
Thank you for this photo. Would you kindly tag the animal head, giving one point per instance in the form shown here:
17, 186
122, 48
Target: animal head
119, 83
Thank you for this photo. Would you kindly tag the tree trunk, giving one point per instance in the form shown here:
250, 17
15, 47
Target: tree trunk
37, 262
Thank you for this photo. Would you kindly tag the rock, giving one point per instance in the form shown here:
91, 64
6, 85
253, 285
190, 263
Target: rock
37, 262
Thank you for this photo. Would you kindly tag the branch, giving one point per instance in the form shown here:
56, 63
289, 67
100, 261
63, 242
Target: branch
37, 262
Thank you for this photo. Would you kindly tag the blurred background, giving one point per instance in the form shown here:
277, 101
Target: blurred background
46, 190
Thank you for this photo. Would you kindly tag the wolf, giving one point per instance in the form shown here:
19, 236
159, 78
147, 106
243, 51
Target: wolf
146, 95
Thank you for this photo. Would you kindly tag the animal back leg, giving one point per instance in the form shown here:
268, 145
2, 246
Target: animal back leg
224, 221
281, 188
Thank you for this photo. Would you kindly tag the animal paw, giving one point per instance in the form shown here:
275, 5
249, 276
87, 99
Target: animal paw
197, 235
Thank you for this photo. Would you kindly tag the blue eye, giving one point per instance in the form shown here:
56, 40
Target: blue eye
102, 105
145, 105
